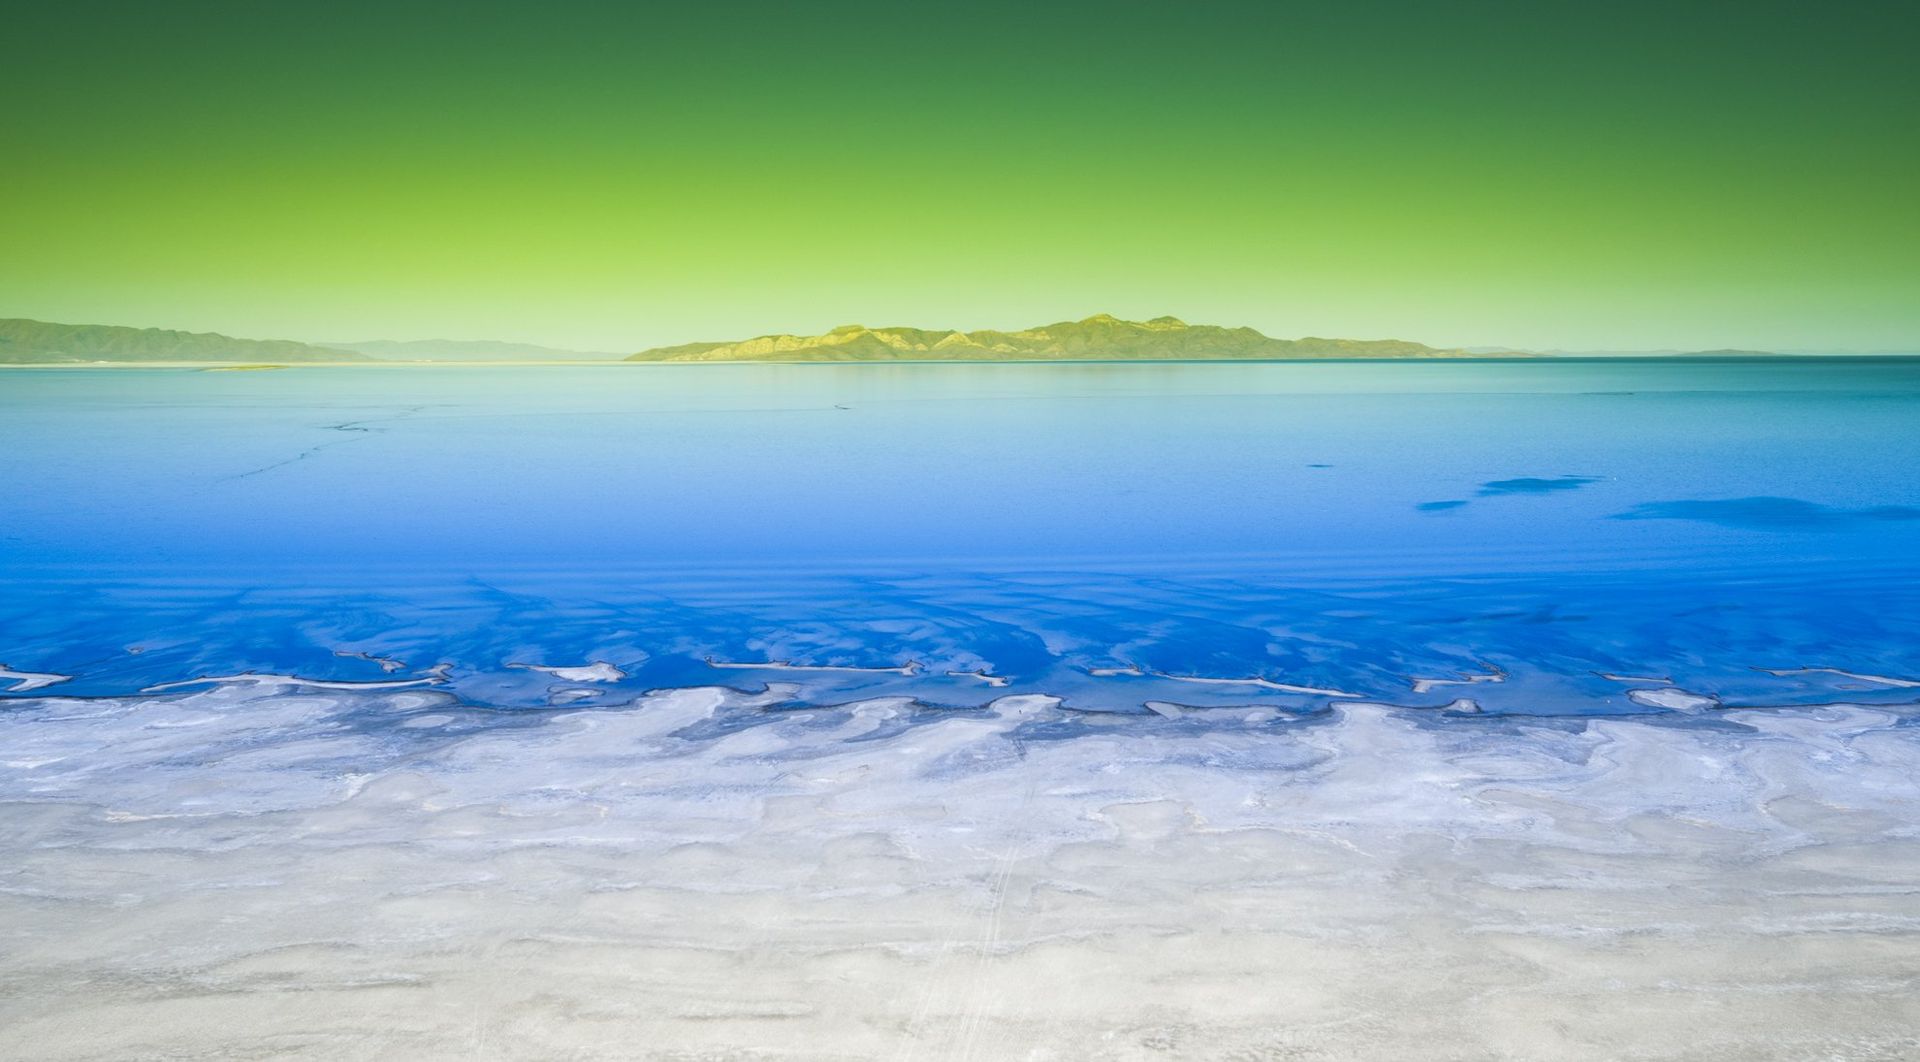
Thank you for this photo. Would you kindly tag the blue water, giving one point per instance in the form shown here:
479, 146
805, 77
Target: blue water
1347, 527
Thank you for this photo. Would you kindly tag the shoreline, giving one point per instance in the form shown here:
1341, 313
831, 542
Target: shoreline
1473, 359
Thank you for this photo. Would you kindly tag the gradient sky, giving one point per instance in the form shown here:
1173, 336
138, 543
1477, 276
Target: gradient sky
614, 176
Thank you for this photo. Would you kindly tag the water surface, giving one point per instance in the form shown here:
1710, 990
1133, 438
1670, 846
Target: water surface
1347, 526
1119, 712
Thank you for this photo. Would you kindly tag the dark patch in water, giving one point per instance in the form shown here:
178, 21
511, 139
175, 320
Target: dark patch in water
1768, 513
1535, 485
1439, 506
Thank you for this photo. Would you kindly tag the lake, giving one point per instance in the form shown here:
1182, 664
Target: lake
1340, 707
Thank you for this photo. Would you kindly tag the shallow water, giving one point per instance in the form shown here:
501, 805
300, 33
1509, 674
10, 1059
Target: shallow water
1344, 526
1057, 711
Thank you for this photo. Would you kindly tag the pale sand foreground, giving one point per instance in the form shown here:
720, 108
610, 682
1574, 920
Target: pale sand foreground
244, 873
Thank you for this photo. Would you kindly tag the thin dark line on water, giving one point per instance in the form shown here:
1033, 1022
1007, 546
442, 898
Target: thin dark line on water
352, 427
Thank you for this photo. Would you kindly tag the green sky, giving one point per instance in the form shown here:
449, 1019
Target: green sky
614, 176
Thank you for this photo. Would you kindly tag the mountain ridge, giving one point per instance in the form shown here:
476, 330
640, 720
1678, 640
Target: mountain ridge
1100, 337
24, 341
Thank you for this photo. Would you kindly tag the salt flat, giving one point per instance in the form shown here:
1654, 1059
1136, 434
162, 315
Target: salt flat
241, 871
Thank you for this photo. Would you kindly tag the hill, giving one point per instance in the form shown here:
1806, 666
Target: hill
41, 343
1100, 337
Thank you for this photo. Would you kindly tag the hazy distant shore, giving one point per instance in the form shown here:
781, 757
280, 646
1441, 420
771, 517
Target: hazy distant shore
1101, 338
630, 363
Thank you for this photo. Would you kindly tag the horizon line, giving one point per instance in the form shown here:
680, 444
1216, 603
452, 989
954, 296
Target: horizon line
602, 354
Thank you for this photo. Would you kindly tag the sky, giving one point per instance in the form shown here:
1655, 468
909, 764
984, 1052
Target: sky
616, 176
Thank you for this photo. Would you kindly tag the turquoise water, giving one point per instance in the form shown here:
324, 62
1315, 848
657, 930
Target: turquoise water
1345, 527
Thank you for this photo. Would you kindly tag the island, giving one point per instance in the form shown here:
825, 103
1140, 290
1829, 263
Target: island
1101, 337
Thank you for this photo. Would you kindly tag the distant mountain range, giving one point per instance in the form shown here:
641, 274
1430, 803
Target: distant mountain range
1558, 353
1100, 337
38, 342
468, 350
